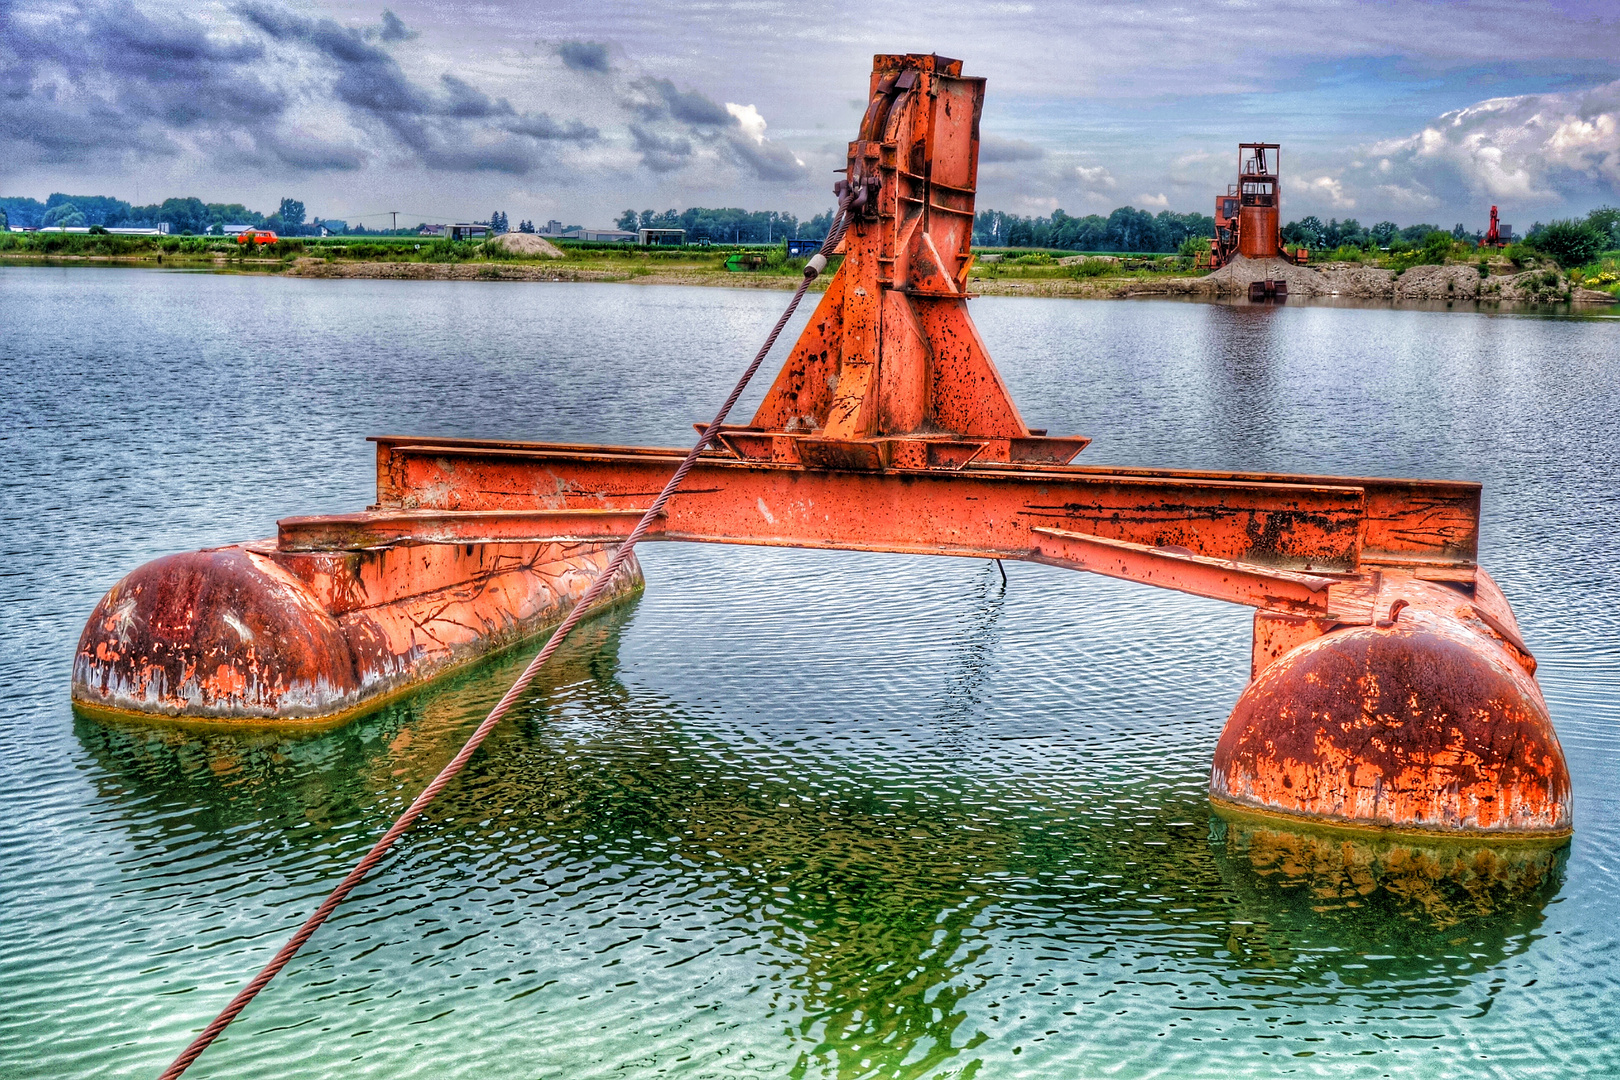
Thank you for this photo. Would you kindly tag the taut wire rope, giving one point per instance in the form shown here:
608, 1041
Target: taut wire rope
457, 763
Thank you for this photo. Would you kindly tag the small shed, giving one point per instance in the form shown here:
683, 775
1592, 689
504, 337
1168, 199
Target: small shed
660, 237
474, 230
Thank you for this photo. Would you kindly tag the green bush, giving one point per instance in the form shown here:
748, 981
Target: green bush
1091, 268
1193, 246
1569, 243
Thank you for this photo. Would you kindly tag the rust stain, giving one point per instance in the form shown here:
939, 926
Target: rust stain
1431, 722
242, 633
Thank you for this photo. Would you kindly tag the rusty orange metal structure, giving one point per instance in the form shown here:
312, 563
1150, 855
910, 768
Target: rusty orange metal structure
1248, 218
1390, 687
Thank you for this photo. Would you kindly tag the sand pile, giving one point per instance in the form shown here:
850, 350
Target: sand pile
528, 244
1234, 278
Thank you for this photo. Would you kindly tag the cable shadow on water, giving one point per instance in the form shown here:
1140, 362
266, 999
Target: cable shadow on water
962, 701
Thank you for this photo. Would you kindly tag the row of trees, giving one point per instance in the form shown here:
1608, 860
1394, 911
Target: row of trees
1571, 242
1126, 229
730, 225
1310, 232
188, 215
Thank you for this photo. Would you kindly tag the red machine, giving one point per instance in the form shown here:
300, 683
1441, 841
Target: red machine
1248, 218
256, 236
1493, 237
1390, 685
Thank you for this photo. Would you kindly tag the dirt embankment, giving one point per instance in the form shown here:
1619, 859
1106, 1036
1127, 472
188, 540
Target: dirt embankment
1420, 283
497, 271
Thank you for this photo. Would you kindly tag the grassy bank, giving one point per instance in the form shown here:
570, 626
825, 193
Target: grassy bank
351, 256
1011, 271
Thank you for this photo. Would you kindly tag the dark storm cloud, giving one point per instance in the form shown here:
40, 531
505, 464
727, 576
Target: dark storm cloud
83, 81
456, 127
659, 98
584, 56
152, 71
660, 153
271, 87
541, 126
993, 150
767, 160
392, 29
672, 119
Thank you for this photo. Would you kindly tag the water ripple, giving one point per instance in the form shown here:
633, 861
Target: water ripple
793, 813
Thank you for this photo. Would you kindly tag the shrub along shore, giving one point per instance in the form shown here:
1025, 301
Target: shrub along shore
1516, 274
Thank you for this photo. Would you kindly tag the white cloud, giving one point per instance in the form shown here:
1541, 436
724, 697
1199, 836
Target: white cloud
1095, 178
1535, 148
1158, 202
748, 118
1332, 190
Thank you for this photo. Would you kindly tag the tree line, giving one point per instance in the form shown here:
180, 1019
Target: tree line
187, 215
1125, 229
1571, 242
730, 225
1311, 233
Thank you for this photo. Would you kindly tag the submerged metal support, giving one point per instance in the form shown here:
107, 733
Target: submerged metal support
1390, 689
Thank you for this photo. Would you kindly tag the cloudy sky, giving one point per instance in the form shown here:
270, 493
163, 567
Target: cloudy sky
444, 110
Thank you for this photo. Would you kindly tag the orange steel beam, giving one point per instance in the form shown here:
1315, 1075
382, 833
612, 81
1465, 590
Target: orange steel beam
1181, 570
1246, 538
1294, 522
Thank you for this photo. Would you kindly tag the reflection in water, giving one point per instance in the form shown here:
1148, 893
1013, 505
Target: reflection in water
869, 920
374, 766
977, 636
837, 814
1360, 910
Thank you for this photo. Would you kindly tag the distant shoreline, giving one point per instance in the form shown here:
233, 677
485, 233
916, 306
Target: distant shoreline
1422, 285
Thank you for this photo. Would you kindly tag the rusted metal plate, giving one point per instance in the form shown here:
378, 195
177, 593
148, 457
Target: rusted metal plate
970, 511
385, 528
1421, 524
1423, 724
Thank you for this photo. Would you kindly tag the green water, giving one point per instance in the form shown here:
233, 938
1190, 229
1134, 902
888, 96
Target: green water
790, 813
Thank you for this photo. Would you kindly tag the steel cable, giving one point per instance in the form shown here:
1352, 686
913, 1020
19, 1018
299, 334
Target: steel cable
457, 763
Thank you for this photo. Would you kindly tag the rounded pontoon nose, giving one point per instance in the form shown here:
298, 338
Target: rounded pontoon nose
217, 633
1430, 723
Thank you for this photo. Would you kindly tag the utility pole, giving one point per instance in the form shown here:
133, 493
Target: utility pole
396, 221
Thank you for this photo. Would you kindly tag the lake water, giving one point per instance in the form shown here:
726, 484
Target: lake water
791, 814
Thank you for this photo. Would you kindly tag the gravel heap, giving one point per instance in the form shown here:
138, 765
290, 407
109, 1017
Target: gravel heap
1234, 278
528, 244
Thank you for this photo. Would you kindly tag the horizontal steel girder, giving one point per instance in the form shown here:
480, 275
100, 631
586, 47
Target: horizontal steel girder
1248, 538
